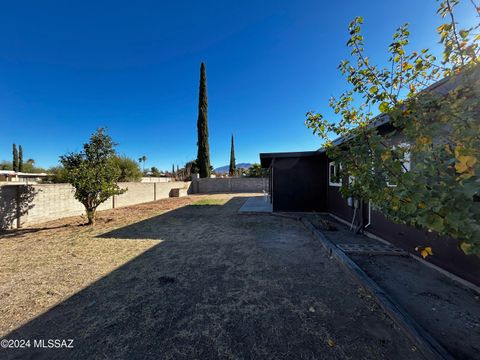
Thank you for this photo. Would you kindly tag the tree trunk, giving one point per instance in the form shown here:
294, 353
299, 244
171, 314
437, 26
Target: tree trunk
91, 216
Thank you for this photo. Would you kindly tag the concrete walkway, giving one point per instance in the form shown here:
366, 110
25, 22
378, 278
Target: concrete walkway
256, 204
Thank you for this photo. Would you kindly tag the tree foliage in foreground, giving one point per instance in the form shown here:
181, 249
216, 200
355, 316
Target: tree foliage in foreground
437, 128
93, 172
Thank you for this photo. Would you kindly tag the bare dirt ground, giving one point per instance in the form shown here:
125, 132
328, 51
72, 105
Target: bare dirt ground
44, 264
195, 282
446, 309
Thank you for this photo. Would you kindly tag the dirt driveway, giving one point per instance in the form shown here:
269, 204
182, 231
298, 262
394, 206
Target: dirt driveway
215, 284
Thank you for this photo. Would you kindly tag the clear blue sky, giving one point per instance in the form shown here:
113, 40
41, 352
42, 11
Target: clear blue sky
68, 67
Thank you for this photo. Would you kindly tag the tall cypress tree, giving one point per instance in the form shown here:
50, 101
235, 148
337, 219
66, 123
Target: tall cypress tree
173, 170
203, 155
20, 158
15, 158
233, 168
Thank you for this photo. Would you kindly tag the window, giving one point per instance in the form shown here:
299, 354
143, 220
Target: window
334, 174
405, 161
351, 180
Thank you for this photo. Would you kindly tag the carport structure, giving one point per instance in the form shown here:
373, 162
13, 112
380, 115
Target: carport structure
298, 180
305, 182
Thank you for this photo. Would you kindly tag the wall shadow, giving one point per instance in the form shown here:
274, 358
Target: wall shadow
11, 233
169, 225
15, 202
219, 285
146, 307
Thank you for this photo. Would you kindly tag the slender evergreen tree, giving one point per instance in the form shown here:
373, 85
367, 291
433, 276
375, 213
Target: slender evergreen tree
173, 170
233, 168
203, 155
15, 158
20, 158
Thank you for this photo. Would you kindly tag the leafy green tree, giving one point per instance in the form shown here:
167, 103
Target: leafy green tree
256, 170
129, 169
191, 167
232, 169
29, 167
436, 127
93, 172
57, 175
203, 155
15, 158
6, 165
20, 158
155, 172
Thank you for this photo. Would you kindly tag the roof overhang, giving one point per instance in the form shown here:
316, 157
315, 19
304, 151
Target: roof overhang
267, 158
381, 120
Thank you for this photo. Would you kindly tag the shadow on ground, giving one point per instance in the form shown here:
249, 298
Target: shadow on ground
219, 285
6, 234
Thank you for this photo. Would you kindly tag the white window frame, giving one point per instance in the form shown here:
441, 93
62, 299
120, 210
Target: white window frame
331, 182
351, 179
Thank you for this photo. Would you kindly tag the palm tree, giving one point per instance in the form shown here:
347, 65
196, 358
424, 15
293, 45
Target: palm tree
142, 159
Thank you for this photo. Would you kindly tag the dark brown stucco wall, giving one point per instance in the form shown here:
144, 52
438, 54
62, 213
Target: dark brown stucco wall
299, 184
446, 253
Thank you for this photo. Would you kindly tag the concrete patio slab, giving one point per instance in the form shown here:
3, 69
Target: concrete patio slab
256, 204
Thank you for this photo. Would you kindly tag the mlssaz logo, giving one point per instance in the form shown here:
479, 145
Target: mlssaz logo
53, 343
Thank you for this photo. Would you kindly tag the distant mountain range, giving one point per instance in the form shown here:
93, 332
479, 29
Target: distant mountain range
224, 169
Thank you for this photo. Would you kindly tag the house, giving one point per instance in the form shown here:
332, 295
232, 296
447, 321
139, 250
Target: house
307, 182
21, 177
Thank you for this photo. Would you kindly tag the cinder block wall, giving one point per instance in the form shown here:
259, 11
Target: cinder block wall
8, 208
163, 189
226, 185
137, 193
51, 201
27, 205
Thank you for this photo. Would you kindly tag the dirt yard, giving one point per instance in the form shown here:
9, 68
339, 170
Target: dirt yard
446, 309
165, 280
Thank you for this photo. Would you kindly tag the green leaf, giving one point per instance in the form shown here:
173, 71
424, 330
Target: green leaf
384, 107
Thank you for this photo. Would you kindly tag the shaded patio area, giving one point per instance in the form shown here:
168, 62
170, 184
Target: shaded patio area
256, 204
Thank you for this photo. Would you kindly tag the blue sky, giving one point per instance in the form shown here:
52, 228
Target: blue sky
67, 68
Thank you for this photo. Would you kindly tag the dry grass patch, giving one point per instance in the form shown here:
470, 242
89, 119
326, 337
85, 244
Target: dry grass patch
43, 265
218, 285
210, 202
